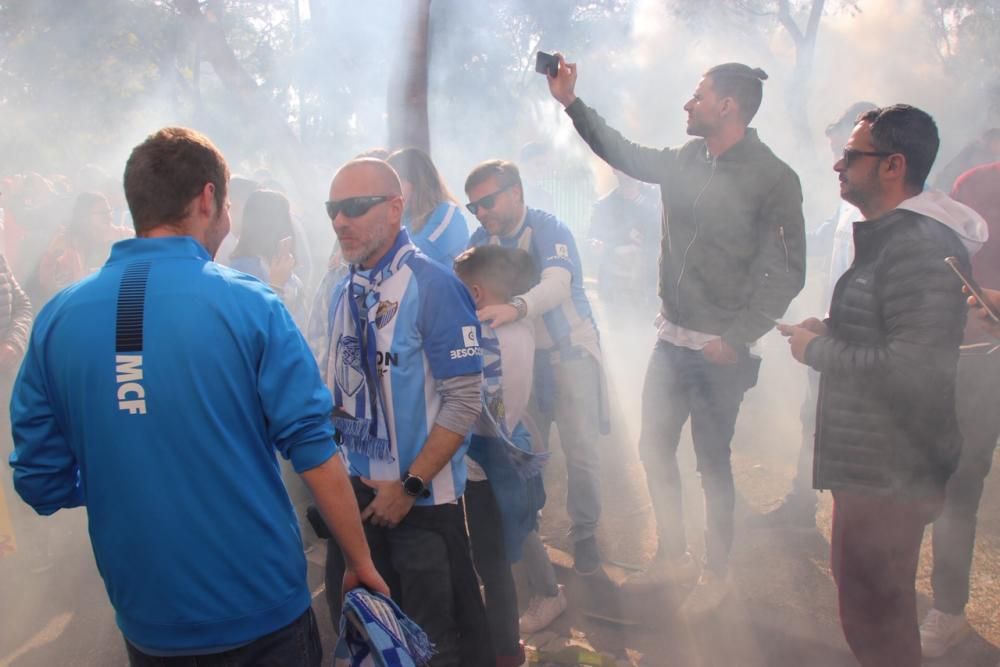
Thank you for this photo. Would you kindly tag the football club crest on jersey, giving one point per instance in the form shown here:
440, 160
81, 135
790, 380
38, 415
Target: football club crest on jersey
497, 409
349, 371
385, 312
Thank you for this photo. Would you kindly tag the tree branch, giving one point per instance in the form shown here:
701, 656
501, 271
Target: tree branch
788, 21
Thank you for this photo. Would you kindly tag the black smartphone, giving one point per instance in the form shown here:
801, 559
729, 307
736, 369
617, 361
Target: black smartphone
973, 287
546, 63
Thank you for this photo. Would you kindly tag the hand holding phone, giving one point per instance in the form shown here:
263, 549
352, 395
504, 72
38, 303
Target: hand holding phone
972, 287
561, 76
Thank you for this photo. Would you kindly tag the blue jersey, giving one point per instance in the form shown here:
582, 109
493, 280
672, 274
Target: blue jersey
551, 243
426, 330
155, 392
444, 235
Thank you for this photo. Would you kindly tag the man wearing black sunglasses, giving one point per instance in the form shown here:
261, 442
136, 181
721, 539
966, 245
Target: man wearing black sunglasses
732, 259
398, 345
565, 336
887, 437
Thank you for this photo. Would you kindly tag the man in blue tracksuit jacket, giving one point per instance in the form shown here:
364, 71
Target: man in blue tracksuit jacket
155, 393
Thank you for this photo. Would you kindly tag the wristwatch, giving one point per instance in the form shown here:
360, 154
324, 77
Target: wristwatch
521, 305
414, 486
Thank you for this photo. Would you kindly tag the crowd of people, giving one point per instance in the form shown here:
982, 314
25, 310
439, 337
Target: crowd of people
414, 391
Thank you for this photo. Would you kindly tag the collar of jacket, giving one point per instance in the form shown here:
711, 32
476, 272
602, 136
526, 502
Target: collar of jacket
743, 150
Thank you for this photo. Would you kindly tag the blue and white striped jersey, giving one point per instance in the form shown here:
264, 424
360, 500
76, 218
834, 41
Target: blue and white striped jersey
571, 323
444, 235
426, 330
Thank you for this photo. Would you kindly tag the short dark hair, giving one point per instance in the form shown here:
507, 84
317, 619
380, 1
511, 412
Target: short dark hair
506, 173
506, 271
742, 83
907, 130
167, 171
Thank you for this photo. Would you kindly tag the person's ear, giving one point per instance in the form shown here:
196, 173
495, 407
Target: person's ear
206, 200
896, 165
728, 108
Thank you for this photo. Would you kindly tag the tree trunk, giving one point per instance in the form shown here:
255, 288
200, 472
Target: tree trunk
278, 136
409, 121
805, 49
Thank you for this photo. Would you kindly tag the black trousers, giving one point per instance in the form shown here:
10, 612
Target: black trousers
490, 558
295, 645
416, 563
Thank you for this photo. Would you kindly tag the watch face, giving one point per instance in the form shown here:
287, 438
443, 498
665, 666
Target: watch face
414, 487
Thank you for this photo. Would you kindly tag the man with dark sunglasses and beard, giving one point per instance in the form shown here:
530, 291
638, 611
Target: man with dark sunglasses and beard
732, 259
887, 434
569, 386
397, 341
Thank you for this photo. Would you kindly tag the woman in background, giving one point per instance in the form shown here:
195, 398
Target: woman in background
265, 249
78, 248
431, 215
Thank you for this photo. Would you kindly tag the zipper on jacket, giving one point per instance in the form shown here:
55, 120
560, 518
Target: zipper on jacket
697, 228
781, 235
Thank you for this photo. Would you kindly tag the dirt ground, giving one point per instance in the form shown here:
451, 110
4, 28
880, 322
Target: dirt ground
784, 610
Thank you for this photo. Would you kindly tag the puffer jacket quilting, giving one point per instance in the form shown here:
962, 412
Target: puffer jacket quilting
886, 418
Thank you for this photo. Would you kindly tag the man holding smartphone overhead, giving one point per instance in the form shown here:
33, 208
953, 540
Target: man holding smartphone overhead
887, 436
732, 258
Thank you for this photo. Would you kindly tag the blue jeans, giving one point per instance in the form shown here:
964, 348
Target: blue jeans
681, 383
575, 412
295, 645
955, 530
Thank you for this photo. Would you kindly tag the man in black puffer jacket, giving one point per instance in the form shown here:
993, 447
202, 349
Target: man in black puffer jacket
887, 437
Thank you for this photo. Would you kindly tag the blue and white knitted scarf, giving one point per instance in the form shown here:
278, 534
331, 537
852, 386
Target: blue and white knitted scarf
374, 632
493, 419
351, 362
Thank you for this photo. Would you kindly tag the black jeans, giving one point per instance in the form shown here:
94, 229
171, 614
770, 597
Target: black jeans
295, 645
414, 563
490, 556
681, 383
955, 530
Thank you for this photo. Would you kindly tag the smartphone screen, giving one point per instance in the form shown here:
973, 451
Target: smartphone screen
973, 288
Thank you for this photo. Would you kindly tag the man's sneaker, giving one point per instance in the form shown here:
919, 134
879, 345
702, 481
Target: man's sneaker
586, 557
541, 611
940, 632
708, 593
663, 571
792, 512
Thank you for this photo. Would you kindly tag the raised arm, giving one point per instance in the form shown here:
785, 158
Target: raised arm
651, 165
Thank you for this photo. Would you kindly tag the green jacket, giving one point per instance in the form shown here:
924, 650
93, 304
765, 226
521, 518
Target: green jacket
732, 256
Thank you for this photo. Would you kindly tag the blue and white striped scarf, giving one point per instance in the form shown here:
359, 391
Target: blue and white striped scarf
351, 368
493, 419
374, 632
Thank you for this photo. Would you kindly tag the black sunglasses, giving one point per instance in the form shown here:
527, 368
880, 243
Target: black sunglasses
851, 154
487, 202
354, 207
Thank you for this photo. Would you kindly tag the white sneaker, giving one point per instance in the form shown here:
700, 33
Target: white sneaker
940, 632
666, 572
707, 594
541, 611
